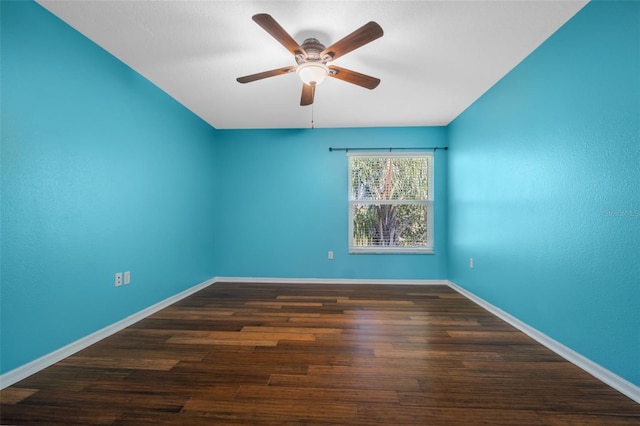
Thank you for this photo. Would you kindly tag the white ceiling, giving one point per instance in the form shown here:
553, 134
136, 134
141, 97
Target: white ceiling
435, 58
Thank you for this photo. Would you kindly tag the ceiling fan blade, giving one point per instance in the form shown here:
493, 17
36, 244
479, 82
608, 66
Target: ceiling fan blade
307, 94
363, 35
272, 27
265, 74
353, 77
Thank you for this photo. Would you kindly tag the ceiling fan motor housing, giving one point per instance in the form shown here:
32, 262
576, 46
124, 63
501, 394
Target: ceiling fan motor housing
313, 48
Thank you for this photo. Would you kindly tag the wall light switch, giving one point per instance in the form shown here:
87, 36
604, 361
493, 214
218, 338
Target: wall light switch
471, 262
330, 255
118, 279
127, 277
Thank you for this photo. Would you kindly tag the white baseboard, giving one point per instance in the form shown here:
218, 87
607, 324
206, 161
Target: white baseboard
250, 280
24, 371
618, 383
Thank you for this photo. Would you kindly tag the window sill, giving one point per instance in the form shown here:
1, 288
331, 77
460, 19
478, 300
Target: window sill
395, 250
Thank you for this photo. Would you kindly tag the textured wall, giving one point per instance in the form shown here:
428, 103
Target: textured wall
101, 172
544, 179
285, 198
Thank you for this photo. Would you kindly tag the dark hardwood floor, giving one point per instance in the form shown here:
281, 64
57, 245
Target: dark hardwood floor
266, 354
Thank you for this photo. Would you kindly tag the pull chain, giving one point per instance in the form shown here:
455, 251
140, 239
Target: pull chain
313, 95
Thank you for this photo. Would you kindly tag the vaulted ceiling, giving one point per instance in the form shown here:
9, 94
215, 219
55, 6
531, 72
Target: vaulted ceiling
434, 60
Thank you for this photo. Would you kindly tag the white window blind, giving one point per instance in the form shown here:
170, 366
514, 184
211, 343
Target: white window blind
390, 202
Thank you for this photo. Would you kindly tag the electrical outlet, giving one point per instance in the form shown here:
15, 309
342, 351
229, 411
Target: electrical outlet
118, 279
330, 255
471, 262
127, 277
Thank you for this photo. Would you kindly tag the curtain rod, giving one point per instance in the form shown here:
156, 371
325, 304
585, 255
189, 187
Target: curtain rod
433, 148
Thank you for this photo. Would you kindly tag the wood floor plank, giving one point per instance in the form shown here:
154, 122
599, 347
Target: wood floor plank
98, 400
15, 395
313, 354
308, 394
293, 329
70, 378
280, 409
385, 414
52, 415
120, 362
341, 381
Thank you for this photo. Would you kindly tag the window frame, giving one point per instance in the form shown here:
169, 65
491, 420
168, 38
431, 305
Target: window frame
429, 203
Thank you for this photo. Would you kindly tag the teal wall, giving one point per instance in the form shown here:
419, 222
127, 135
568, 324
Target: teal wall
101, 172
544, 189
285, 198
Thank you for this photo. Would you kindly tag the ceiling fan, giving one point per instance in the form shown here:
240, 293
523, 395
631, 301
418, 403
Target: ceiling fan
312, 57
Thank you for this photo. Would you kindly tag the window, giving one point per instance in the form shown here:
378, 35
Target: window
390, 203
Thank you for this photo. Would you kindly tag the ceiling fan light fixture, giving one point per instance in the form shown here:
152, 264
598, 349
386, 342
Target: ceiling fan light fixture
312, 73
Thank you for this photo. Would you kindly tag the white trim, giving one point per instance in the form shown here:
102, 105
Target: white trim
606, 376
390, 250
26, 370
249, 280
